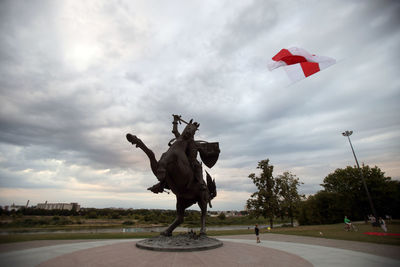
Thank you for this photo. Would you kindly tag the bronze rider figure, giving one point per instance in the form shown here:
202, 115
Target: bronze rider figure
191, 153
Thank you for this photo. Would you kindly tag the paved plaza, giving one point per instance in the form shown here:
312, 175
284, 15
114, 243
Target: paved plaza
274, 250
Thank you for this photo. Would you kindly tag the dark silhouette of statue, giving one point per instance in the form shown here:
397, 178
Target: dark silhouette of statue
179, 170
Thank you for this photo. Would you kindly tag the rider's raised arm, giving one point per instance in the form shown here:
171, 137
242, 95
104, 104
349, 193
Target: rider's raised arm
175, 126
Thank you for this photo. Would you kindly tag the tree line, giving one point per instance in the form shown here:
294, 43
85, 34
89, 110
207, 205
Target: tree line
90, 213
343, 194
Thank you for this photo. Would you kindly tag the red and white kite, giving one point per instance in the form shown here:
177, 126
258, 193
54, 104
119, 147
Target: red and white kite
298, 63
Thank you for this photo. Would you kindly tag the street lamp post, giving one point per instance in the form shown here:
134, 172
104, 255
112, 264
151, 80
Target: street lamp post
347, 134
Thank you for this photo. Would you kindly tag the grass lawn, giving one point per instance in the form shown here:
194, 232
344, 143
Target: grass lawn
335, 231
71, 236
331, 231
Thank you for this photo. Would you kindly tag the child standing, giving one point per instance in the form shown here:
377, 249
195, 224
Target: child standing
257, 231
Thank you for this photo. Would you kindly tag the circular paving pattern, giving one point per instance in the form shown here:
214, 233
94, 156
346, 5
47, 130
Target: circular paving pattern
236, 251
127, 254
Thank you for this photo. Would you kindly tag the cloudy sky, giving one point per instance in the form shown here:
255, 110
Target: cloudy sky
76, 76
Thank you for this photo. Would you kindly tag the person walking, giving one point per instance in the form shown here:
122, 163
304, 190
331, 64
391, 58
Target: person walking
257, 231
373, 221
383, 224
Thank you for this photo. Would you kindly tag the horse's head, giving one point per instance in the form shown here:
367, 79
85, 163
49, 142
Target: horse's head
190, 129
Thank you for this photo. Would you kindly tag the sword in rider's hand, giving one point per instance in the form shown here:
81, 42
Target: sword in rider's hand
179, 119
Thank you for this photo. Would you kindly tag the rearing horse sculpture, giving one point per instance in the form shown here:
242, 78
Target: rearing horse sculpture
175, 171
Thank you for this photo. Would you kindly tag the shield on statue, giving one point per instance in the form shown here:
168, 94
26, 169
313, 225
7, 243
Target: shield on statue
209, 152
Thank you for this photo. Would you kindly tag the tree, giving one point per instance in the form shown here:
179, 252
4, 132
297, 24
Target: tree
344, 195
264, 202
289, 198
347, 184
222, 216
321, 208
92, 214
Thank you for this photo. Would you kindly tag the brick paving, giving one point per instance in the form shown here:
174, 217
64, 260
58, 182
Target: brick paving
127, 254
238, 250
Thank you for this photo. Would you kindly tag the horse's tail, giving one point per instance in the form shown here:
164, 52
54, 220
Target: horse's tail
212, 188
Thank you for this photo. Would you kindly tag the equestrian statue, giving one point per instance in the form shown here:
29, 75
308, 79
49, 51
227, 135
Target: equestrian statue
179, 170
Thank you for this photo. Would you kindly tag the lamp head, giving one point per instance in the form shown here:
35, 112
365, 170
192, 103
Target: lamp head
347, 133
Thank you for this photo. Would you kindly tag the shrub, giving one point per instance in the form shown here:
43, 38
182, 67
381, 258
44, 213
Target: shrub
222, 216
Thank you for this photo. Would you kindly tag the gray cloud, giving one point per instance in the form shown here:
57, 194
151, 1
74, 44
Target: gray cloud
76, 77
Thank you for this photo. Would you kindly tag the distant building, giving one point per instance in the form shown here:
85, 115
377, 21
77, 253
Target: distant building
14, 207
58, 206
231, 213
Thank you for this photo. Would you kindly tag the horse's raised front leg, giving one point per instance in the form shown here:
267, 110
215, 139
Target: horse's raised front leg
136, 141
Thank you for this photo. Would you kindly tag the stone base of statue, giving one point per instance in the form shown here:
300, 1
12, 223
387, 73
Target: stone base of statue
182, 242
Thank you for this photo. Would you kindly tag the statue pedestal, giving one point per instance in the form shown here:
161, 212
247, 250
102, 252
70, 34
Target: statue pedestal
182, 242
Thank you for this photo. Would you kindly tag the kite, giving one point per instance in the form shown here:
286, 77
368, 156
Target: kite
298, 63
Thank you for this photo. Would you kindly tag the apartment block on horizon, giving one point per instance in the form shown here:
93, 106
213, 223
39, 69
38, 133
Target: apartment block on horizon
58, 206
